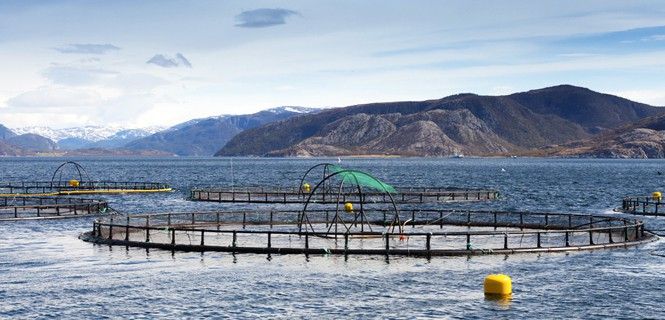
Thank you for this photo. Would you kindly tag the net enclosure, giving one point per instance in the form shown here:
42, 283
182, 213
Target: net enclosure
643, 205
420, 233
31, 207
337, 184
70, 178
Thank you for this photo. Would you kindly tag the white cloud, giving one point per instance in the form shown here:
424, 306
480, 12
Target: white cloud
87, 48
55, 97
655, 97
76, 76
264, 17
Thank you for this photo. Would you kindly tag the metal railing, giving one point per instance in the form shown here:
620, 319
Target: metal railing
294, 195
32, 187
643, 205
433, 232
16, 208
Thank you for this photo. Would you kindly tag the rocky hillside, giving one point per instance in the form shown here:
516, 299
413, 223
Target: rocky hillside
643, 139
203, 137
465, 123
430, 133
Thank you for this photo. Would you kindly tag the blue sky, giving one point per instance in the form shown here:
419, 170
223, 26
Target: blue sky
145, 63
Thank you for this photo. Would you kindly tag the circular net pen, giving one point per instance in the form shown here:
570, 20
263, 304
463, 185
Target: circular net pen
27, 208
326, 192
643, 205
421, 232
70, 178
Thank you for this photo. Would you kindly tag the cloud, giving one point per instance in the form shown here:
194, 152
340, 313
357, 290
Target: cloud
654, 97
170, 62
655, 37
261, 18
87, 48
76, 76
55, 97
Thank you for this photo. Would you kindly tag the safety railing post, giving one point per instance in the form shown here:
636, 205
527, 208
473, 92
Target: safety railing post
269, 239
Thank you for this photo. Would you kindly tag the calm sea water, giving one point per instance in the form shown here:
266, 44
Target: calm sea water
46, 272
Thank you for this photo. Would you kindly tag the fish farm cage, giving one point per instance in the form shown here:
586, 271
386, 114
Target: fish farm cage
77, 183
276, 195
25, 208
643, 205
378, 232
339, 185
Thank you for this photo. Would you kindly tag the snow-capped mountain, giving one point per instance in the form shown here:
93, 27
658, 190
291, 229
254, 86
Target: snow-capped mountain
88, 133
292, 109
201, 136
276, 111
204, 136
89, 136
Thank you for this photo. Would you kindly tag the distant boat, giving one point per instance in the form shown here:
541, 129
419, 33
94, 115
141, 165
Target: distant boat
458, 156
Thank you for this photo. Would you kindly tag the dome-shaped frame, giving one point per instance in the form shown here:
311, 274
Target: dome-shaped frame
82, 174
359, 217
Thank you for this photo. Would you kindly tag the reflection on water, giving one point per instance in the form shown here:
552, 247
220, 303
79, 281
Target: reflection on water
45, 271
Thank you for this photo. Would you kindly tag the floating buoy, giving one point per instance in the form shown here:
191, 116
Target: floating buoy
656, 196
348, 207
74, 183
498, 285
306, 187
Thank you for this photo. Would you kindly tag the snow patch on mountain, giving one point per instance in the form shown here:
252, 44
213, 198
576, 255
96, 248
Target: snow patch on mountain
292, 109
88, 133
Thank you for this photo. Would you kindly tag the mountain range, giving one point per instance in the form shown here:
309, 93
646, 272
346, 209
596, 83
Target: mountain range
203, 137
89, 136
563, 120
460, 124
191, 138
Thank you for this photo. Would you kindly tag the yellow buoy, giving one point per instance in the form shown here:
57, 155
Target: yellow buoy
498, 285
74, 183
306, 187
348, 207
656, 196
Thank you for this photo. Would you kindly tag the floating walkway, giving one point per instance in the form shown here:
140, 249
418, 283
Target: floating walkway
411, 232
79, 183
296, 195
33, 207
55, 188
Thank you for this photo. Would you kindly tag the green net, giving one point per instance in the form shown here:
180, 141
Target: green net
362, 179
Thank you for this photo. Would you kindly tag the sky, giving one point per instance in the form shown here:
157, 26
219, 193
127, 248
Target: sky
158, 63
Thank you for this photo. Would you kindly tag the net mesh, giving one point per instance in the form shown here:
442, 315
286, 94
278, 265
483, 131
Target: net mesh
362, 179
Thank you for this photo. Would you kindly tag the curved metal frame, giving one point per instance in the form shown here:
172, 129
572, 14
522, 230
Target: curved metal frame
79, 168
303, 216
325, 173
